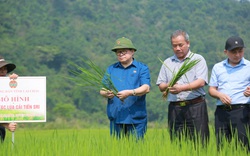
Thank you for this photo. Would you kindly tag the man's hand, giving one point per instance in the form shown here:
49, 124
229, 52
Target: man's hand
247, 92
124, 94
175, 89
13, 76
225, 99
11, 126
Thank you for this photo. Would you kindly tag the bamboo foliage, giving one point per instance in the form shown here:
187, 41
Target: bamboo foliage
92, 76
187, 65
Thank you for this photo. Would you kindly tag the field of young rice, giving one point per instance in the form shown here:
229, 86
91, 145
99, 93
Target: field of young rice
97, 142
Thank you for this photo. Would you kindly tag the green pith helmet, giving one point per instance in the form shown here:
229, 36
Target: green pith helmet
122, 43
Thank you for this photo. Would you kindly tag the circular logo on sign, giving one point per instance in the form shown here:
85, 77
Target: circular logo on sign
13, 84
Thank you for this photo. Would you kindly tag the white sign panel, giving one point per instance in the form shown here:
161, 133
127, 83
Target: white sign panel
23, 99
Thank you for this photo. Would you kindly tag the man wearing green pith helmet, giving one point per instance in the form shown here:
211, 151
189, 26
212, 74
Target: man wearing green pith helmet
127, 109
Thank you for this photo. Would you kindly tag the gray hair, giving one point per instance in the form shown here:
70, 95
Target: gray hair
179, 33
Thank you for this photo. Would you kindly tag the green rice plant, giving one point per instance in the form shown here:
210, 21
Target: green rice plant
92, 76
187, 65
96, 142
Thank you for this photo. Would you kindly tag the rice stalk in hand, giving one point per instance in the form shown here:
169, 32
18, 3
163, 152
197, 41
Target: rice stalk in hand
187, 65
92, 76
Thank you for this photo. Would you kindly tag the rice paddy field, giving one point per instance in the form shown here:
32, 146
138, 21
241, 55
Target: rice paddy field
98, 142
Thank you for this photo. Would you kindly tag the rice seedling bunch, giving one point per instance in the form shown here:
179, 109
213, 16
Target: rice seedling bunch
187, 65
92, 76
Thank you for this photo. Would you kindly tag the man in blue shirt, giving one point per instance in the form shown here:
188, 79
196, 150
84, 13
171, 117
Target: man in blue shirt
187, 111
229, 84
127, 109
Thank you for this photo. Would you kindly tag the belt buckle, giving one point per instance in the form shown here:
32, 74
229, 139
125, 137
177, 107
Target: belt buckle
183, 103
228, 108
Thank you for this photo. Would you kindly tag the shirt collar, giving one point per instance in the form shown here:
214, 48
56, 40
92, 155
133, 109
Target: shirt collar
242, 62
174, 57
134, 63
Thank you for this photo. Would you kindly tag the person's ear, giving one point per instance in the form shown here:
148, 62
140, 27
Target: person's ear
225, 51
188, 44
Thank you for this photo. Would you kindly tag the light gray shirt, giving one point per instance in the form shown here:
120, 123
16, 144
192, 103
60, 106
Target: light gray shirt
199, 71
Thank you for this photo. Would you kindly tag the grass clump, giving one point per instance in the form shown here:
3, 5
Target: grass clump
92, 76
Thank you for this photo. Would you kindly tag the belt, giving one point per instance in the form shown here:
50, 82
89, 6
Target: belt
233, 107
187, 102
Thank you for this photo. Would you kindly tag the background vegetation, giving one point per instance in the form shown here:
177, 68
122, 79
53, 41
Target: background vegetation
42, 36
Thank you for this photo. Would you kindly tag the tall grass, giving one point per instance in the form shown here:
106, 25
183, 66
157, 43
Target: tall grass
97, 142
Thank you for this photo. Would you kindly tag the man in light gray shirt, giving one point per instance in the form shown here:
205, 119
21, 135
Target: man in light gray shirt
187, 113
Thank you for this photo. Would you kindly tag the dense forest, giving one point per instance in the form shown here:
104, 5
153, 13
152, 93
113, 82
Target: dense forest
42, 36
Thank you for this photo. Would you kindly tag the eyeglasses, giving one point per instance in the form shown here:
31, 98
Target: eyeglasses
121, 52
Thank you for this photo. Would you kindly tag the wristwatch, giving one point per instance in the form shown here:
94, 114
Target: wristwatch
134, 92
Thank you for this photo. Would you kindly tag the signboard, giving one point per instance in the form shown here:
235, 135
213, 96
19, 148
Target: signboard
23, 99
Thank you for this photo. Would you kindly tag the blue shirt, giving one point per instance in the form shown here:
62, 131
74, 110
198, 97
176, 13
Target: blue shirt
231, 80
133, 109
199, 71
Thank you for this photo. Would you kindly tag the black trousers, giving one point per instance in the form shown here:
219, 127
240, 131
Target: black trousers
233, 122
189, 121
2, 133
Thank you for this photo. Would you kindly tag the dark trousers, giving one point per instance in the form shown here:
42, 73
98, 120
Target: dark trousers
189, 121
233, 122
2, 133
